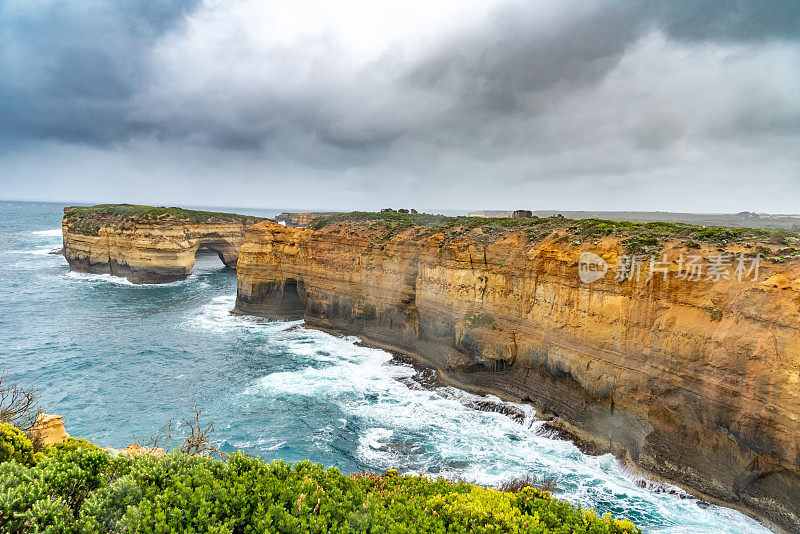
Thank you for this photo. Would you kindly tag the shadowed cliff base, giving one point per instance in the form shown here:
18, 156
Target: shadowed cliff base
147, 244
687, 379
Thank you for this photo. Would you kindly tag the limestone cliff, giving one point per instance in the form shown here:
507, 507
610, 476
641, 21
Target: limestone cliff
49, 429
697, 382
148, 245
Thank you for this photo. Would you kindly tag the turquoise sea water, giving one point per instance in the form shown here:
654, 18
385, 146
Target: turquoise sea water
116, 359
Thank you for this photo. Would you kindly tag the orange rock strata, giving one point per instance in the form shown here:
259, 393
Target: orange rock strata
697, 382
156, 251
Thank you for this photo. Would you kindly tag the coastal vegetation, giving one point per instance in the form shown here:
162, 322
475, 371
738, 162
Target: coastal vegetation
76, 487
636, 237
86, 219
479, 319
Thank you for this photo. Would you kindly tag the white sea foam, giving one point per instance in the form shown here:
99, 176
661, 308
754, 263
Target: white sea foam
91, 277
49, 233
444, 431
448, 432
112, 279
217, 316
373, 446
267, 444
36, 252
121, 280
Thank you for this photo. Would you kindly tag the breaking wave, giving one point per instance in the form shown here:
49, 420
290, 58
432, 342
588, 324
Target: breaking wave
56, 232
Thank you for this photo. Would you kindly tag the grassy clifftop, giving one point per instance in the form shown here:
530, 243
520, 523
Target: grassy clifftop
637, 237
149, 213
76, 487
87, 219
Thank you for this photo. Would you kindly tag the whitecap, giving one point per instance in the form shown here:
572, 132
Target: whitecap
35, 252
216, 315
121, 280
373, 447
104, 277
49, 233
265, 444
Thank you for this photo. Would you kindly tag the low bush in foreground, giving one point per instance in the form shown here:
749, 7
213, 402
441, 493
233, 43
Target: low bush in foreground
77, 487
14, 445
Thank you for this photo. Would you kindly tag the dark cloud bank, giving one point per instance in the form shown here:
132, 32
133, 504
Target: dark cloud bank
680, 105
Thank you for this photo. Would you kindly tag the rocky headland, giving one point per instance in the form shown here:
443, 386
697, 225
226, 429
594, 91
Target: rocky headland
693, 379
146, 244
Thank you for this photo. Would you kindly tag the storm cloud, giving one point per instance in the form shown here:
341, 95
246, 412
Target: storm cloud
608, 104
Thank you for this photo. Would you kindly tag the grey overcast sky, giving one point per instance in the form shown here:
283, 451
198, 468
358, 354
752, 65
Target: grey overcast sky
679, 105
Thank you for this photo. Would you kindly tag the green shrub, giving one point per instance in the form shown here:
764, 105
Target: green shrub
639, 238
479, 319
15, 445
81, 489
27, 504
66, 446
515, 485
82, 217
85, 226
642, 244
75, 474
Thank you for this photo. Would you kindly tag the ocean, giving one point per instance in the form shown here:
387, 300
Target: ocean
119, 360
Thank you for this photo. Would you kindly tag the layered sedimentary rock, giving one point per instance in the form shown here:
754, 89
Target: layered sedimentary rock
697, 382
148, 250
49, 429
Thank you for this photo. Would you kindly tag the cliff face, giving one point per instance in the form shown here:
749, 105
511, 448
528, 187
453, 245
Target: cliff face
147, 250
694, 381
49, 429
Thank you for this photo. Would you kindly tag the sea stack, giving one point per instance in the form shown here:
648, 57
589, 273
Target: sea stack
146, 244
